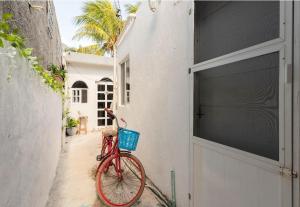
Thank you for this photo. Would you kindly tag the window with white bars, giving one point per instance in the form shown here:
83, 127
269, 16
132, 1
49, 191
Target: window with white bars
79, 92
75, 96
79, 95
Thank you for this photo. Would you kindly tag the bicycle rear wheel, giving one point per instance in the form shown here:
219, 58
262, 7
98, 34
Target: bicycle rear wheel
122, 191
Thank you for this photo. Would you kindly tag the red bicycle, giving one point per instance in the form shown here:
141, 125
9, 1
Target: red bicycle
120, 177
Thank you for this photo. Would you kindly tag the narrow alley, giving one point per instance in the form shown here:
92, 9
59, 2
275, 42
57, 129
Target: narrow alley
74, 185
203, 97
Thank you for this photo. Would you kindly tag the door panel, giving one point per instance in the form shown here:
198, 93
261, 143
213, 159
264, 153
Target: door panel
241, 112
104, 100
232, 146
230, 181
242, 96
223, 26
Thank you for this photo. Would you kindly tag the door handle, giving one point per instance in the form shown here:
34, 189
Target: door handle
200, 115
289, 73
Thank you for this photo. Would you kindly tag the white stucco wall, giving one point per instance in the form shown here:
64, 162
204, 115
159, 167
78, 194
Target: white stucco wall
30, 134
89, 71
159, 46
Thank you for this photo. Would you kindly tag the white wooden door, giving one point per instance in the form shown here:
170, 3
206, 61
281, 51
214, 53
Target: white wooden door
236, 169
104, 100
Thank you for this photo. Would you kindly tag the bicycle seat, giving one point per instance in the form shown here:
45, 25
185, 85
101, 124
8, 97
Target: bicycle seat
109, 132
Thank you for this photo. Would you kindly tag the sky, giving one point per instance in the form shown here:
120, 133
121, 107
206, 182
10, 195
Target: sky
66, 10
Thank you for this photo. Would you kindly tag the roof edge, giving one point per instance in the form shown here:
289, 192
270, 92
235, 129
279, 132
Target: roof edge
129, 22
87, 59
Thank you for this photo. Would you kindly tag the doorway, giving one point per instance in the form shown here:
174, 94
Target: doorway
104, 100
241, 114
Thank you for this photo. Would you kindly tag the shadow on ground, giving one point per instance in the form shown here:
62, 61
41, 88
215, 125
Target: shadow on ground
74, 185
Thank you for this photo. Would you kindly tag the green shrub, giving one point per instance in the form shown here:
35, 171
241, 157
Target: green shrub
17, 41
71, 122
57, 71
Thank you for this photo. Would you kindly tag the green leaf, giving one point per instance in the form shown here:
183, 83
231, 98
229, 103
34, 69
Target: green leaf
7, 16
17, 41
15, 31
132, 8
11, 38
4, 26
99, 22
27, 51
14, 44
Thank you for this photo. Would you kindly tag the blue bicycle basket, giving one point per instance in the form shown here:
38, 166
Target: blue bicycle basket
128, 139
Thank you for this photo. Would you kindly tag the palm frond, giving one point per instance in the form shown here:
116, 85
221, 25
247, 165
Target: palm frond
100, 23
92, 32
91, 49
132, 8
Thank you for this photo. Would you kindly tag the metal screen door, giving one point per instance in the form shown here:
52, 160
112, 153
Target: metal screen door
241, 95
104, 100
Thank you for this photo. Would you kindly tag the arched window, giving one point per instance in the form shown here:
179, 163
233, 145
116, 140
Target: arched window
79, 84
79, 92
106, 80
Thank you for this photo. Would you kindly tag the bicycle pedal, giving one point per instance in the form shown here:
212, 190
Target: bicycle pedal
99, 158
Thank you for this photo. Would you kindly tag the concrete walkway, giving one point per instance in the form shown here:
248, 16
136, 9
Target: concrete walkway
74, 185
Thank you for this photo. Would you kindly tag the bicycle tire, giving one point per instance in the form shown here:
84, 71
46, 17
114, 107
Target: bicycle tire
110, 198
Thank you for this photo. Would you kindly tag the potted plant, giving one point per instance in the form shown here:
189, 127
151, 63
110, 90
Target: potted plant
57, 72
71, 126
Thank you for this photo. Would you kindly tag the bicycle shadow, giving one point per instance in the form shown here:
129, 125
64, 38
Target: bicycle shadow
151, 197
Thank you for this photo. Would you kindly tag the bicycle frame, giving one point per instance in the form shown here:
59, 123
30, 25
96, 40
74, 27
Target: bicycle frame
121, 167
112, 150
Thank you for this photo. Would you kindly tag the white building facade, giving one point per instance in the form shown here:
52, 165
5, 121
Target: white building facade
89, 88
213, 92
152, 62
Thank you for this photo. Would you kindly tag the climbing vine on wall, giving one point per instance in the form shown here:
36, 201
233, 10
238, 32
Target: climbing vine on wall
7, 34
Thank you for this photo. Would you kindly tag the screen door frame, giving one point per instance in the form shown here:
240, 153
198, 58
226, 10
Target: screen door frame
283, 45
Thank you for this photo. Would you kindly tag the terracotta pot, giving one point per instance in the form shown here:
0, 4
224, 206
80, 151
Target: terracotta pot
58, 78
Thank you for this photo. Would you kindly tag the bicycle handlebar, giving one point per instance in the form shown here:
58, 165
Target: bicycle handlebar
110, 113
112, 116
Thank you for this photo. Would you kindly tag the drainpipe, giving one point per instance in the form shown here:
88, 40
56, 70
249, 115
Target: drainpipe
173, 204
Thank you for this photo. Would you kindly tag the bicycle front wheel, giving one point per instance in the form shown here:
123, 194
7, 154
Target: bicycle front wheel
120, 189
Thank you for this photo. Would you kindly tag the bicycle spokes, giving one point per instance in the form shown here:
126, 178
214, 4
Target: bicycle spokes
122, 184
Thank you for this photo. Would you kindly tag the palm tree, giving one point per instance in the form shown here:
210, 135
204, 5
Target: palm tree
99, 22
91, 49
132, 8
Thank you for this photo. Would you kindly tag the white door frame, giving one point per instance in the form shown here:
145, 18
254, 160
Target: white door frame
106, 92
296, 104
283, 46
